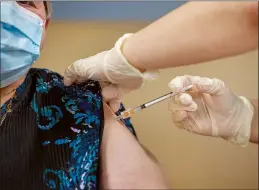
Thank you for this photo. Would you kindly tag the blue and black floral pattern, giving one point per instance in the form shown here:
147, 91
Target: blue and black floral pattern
70, 123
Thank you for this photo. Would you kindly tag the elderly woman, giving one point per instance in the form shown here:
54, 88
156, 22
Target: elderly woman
58, 137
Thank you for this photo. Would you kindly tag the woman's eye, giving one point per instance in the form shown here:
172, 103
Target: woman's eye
27, 3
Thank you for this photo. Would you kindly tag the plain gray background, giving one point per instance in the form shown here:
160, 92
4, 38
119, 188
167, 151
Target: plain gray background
112, 10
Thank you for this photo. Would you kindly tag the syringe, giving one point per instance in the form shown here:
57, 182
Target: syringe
129, 112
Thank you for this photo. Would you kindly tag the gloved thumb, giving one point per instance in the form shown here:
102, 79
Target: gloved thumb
113, 91
71, 73
115, 104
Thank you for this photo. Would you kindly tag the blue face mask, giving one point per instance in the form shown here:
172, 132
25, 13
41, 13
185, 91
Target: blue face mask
21, 33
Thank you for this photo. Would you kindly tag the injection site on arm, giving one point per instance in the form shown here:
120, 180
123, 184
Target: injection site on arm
124, 163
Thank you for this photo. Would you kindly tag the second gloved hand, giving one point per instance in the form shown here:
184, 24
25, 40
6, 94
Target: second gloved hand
112, 70
212, 109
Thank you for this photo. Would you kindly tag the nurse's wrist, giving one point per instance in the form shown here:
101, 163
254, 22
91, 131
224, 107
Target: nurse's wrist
124, 65
129, 52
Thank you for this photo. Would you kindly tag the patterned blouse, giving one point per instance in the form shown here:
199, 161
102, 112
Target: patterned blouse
51, 139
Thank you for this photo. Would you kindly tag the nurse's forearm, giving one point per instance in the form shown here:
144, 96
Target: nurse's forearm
194, 33
254, 129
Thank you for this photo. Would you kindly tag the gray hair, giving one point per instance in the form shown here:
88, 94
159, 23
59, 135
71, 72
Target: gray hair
48, 8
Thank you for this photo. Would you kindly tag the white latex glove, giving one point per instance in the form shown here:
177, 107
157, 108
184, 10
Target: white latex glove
111, 68
213, 110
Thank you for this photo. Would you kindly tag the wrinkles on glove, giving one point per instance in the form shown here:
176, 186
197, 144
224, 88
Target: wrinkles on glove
180, 105
201, 84
85, 69
112, 94
182, 102
190, 113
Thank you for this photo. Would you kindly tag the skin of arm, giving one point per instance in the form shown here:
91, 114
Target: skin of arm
254, 128
124, 163
194, 33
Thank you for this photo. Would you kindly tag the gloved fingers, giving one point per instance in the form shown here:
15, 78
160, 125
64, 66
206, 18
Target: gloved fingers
109, 92
201, 84
113, 91
209, 86
182, 101
115, 104
186, 118
187, 101
180, 106
178, 83
179, 116
77, 72
182, 120
71, 73
85, 69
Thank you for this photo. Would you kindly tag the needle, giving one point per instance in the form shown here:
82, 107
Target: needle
128, 113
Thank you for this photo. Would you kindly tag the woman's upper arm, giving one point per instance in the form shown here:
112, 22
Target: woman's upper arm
124, 163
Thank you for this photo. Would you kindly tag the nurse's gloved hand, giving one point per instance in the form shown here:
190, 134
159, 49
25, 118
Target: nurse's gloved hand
211, 109
116, 76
